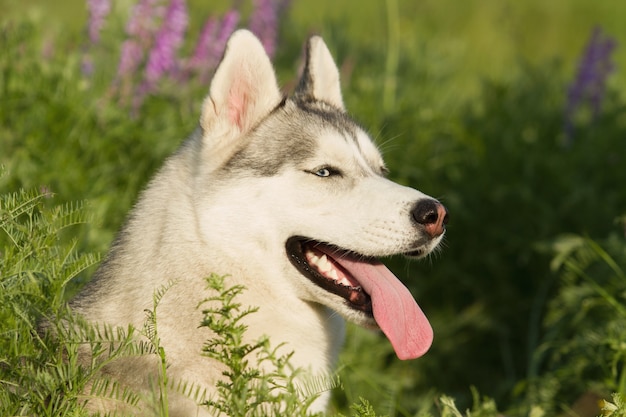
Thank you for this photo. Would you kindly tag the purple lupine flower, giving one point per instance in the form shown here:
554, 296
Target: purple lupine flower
98, 11
143, 22
130, 57
590, 82
140, 29
211, 44
264, 23
229, 24
201, 53
162, 58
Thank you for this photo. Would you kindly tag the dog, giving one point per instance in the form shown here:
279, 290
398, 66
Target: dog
287, 196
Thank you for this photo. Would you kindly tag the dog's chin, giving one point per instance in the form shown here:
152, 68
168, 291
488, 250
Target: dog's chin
424, 250
315, 260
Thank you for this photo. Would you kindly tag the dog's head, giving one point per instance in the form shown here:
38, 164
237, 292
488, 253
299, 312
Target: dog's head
314, 191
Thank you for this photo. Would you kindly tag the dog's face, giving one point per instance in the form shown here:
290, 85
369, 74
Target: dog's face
315, 198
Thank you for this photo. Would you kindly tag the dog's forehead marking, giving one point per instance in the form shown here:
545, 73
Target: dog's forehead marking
313, 131
348, 153
343, 136
370, 152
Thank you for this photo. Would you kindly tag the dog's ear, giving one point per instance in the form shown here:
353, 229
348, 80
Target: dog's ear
243, 89
320, 78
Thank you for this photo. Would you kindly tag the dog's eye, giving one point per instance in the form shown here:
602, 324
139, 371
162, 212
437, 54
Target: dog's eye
323, 172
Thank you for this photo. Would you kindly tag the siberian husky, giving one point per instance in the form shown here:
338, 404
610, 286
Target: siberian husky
285, 196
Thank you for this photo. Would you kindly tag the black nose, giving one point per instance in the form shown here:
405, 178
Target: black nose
432, 215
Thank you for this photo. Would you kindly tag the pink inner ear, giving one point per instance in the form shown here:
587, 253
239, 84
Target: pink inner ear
238, 104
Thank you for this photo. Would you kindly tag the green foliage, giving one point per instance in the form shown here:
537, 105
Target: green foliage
585, 323
36, 261
39, 372
616, 408
509, 184
248, 390
486, 408
151, 333
30, 256
363, 409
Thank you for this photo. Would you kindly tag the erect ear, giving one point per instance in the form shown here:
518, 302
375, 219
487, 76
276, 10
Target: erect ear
243, 90
320, 78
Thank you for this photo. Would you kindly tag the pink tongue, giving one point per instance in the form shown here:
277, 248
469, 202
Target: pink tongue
395, 310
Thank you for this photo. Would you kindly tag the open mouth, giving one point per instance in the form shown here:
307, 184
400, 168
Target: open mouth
319, 263
367, 286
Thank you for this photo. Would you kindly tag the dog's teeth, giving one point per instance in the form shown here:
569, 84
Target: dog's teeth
312, 258
324, 265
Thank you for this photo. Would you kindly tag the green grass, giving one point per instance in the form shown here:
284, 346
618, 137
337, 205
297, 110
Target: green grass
466, 100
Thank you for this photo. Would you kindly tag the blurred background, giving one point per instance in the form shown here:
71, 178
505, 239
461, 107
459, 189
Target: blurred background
513, 113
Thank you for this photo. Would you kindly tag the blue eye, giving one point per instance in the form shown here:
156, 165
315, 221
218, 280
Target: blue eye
323, 172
